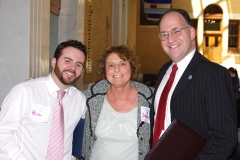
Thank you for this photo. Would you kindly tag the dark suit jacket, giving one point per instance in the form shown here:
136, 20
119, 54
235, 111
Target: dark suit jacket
203, 99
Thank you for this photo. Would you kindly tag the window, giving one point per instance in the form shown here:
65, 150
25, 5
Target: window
212, 25
233, 40
213, 19
212, 42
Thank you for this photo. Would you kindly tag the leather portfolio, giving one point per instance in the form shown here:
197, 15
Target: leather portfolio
178, 142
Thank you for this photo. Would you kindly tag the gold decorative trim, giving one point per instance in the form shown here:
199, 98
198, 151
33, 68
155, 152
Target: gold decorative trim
89, 39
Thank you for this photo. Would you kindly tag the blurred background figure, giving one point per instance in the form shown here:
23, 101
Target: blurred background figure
235, 80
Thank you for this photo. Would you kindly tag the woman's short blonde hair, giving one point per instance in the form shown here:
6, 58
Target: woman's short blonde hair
125, 54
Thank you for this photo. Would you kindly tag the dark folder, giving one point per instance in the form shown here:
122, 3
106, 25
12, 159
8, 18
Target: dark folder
178, 142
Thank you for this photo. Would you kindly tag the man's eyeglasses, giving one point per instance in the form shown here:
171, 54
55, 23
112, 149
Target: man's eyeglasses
175, 32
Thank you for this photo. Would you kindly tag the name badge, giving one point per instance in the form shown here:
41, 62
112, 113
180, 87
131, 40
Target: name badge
145, 112
39, 113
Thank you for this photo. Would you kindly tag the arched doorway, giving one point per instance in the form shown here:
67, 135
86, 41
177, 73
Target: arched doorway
212, 46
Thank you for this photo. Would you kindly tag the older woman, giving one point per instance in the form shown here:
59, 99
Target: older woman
117, 121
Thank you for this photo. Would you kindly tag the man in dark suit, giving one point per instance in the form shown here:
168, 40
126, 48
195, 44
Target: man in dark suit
201, 95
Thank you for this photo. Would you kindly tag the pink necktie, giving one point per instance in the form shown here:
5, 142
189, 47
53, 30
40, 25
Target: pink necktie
159, 123
56, 138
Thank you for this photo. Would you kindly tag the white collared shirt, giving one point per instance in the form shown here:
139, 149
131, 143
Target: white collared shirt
26, 116
182, 65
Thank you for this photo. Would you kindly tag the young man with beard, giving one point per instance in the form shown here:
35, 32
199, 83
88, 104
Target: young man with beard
27, 117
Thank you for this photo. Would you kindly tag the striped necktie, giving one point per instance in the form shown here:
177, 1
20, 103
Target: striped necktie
56, 138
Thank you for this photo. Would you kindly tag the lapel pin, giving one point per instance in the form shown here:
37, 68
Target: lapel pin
190, 77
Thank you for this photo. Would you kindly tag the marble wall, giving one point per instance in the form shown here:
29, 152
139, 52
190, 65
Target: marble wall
68, 24
53, 36
25, 38
14, 44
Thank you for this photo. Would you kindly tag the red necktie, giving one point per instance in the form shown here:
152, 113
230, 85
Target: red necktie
159, 122
56, 138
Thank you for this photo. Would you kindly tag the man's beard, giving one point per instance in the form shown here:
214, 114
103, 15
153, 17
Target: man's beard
64, 81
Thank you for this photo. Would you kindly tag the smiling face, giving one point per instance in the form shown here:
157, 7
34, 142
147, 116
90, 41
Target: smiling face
177, 47
68, 68
118, 71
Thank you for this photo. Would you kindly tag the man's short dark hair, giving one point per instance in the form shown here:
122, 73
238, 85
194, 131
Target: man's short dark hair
70, 43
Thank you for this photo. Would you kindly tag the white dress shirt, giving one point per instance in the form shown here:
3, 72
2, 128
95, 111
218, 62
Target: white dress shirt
26, 116
182, 65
